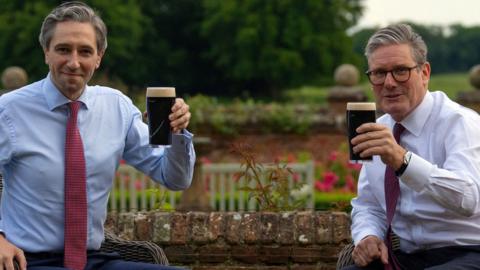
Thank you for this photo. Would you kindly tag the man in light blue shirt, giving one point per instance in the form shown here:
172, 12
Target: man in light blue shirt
32, 139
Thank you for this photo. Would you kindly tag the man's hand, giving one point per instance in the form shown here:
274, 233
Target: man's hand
180, 116
369, 249
8, 253
377, 139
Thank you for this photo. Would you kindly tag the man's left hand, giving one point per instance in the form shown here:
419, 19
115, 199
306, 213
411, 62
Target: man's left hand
180, 116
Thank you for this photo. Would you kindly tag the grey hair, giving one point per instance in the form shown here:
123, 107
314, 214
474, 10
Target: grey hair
398, 34
77, 12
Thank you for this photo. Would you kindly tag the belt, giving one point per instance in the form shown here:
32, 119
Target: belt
51, 255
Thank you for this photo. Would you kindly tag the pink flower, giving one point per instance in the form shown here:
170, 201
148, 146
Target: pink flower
330, 178
296, 177
333, 156
328, 182
350, 185
321, 186
354, 166
205, 160
138, 185
291, 158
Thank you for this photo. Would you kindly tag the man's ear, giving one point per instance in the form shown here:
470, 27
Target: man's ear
426, 70
45, 54
99, 59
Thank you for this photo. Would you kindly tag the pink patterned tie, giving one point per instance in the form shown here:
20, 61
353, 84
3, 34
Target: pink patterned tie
392, 192
75, 195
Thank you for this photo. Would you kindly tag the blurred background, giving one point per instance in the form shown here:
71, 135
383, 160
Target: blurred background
247, 48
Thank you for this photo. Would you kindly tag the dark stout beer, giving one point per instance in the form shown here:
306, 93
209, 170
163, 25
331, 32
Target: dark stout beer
159, 106
357, 114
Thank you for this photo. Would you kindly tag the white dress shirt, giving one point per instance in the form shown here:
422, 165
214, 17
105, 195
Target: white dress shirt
439, 191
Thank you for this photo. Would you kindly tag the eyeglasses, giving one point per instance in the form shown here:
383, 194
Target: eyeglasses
400, 74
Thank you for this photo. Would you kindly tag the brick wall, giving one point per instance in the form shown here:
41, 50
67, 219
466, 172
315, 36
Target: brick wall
233, 241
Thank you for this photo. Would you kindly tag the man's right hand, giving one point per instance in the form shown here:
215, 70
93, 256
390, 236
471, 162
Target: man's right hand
9, 252
369, 249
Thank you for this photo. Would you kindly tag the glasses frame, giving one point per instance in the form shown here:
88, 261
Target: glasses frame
369, 72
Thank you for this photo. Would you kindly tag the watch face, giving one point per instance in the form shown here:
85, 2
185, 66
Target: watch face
406, 157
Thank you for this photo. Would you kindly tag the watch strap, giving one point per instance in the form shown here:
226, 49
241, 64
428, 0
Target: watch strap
406, 161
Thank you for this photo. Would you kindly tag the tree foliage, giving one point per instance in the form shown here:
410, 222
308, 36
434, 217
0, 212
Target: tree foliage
271, 45
225, 47
210, 46
450, 49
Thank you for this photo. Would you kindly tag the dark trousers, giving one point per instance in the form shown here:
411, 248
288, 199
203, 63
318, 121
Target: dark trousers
446, 258
96, 261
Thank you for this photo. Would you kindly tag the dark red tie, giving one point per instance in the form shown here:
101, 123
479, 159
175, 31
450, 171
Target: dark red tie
75, 256
392, 192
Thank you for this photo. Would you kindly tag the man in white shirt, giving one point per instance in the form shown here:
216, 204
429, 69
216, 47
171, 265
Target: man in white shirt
436, 162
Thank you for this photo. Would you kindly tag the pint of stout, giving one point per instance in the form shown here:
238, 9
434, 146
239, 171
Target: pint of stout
357, 114
159, 106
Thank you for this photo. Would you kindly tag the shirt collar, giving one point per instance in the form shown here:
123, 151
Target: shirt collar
55, 98
415, 121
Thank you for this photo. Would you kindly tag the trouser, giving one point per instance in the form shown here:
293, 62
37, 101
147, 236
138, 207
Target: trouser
445, 258
95, 261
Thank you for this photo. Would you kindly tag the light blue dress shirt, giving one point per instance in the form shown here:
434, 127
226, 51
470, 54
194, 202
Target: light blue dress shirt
32, 139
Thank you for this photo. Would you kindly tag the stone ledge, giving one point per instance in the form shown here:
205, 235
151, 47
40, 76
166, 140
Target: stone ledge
234, 240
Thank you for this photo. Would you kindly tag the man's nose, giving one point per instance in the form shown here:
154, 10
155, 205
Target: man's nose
73, 61
389, 80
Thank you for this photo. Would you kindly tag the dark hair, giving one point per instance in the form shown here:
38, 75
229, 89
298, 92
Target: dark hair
398, 34
73, 11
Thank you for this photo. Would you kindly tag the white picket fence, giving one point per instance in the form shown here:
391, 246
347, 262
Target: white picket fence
221, 183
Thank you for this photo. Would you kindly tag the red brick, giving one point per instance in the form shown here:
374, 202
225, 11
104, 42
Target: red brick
323, 227
319, 266
286, 228
233, 233
269, 227
305, 232
341, 227
162, 228
198, 224
143, 228
126, 222
216, 226
181, 254
276, 254
111, 223
251, 227
179, 228
214, 254
246, 254
307, 254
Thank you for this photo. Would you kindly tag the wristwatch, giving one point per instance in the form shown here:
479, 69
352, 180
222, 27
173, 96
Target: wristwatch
406, 161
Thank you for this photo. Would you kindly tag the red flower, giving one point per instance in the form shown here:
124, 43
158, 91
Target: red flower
350, 185
138, 184
333, 156
205, 160
328, 182
354, 166
330, 178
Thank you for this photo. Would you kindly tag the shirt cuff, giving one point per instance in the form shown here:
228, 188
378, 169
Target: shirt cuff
181, 141
417, 173
360, 236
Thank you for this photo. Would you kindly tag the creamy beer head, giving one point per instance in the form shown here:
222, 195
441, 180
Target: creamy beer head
160, 91
361, 106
